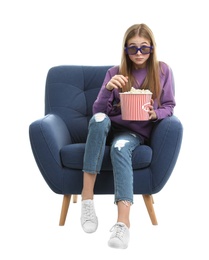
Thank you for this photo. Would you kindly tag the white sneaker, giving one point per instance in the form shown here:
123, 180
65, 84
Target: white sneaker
89, 221
120, 236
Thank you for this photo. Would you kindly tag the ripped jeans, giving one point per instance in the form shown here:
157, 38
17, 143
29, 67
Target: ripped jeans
122, 146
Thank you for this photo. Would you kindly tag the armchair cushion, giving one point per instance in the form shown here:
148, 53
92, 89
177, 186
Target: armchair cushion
72, 157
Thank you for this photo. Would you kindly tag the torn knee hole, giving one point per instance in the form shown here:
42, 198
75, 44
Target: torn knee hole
100, 117
120, 144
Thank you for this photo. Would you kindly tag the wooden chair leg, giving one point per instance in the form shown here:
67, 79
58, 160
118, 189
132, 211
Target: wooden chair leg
75, 198
64, 210
148, 199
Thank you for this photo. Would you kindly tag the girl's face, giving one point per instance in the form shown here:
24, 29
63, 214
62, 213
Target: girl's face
139, 59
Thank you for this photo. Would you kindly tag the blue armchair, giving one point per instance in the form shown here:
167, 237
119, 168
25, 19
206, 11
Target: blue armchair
58, 140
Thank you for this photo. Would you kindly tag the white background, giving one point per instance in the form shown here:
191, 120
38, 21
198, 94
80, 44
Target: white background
36, 35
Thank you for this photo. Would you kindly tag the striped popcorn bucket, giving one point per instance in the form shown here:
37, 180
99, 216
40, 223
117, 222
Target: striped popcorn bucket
134, 106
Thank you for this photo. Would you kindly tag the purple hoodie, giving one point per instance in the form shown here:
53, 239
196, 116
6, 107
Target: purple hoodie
106, 100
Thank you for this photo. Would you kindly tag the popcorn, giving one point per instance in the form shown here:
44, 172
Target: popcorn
138, 91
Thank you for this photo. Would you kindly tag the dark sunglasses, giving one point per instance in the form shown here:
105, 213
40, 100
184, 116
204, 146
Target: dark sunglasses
132, 50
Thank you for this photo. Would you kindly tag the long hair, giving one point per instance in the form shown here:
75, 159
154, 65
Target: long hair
152, 80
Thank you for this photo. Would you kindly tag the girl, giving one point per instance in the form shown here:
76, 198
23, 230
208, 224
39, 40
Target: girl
139, 68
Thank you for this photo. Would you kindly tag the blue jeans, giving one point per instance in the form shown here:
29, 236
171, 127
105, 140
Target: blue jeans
122, 146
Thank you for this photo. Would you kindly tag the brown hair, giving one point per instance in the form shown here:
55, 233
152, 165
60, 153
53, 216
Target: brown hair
152, 80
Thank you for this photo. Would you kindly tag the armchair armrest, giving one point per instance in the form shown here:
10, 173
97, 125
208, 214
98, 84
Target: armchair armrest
47, 136
165, 142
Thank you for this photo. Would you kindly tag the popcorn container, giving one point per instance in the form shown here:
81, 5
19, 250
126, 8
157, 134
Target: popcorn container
135, 106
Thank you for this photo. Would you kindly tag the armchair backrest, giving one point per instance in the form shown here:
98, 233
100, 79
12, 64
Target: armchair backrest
70, 94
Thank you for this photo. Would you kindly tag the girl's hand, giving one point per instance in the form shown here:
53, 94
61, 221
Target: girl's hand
118, 81
151, 112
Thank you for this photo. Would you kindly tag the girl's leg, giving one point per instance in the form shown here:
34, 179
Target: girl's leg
124, 212
99, 126
121, 155
88, 186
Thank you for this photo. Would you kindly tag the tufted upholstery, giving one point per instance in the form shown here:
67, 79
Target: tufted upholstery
58, 139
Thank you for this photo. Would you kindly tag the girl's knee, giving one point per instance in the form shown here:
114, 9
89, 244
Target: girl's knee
99, 117
120, 144
100, 121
